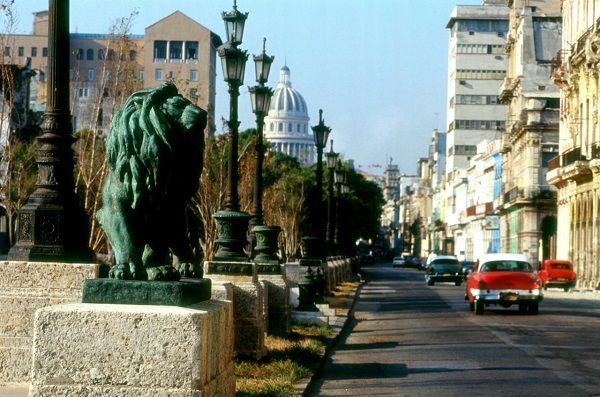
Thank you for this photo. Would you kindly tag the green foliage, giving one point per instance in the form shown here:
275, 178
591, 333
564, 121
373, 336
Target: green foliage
22, 171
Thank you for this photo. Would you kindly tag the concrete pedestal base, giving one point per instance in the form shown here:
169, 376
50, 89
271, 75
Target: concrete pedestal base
133, 350
278, 302
24, 288
246, 293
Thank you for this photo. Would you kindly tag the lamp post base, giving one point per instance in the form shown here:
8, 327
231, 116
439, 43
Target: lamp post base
232, 227
266, 243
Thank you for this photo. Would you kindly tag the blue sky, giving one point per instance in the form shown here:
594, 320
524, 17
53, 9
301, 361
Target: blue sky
377, 68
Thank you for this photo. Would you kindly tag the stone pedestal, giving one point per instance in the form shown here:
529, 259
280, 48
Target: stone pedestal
277, 294
238, 282
108, 350
24, 288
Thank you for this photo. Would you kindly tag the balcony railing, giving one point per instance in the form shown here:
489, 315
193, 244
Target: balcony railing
572, 156
553, 163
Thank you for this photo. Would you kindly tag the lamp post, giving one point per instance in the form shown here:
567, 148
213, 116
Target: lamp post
332, 158
263, 238
340, 182
232, 223
320, 134
52, 225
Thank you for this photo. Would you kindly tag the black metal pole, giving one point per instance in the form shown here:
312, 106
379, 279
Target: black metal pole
257, 216
232, 201
337, 213
52, 226
330, 211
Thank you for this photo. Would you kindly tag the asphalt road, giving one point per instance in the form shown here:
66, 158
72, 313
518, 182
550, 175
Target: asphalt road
408, 339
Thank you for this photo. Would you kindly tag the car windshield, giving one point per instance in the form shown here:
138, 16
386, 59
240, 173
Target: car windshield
445, 267
561, 266
506, 266
449, 261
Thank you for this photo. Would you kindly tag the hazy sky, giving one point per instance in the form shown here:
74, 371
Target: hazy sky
377, 68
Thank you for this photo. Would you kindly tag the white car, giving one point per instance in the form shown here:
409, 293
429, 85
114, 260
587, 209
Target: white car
398, 261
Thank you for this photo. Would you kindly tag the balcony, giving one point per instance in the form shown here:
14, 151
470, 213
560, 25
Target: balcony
507, 88
572, 156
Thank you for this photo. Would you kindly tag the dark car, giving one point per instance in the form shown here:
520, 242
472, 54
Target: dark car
466, 267
444, 268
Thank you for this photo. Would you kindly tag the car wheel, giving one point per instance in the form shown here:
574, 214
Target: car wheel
457, 283
430, 282
479, 307
471, 306
534, 308
523, 307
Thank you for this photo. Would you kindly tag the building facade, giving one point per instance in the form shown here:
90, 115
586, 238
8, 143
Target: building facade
286, 125
528, 209
476, 69
576, 171
105, 67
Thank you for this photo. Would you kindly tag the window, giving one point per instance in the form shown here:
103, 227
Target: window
158, 74
193, 74
91, 73
34, 51
79, 54
45, 52
191, 50
280, 127
141, 75
89, 55
100, 117
21, 51
298, 128
101, 54
110, 55
175, 50
160, 49
7, 51
271, 127
290, 127
193, 93
171, 74
132, 55
83, 92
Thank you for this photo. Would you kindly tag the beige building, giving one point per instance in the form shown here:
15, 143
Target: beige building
528, 205
105, 68
576, 172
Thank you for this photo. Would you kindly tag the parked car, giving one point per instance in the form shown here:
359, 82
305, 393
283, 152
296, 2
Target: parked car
398, 261
444, 268
557, 273
466, 267
505, 280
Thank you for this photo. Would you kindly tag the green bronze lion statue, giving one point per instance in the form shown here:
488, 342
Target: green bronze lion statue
155, 157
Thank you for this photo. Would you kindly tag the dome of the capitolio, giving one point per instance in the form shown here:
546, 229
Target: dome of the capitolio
285, 98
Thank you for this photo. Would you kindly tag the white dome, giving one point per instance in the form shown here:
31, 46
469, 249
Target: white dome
285, 98
286, 124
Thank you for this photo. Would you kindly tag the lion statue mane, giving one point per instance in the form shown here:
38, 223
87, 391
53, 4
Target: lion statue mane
155, 157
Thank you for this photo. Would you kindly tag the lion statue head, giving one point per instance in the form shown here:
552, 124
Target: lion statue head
155, 156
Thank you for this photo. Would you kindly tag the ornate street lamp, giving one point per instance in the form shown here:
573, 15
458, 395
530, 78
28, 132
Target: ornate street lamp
320, 134
232, 223
332, 158
52, 225
265, 237
340, 182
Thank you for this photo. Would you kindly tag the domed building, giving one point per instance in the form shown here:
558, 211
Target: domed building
286, 125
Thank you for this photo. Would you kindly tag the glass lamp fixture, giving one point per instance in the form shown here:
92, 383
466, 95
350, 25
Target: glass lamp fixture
321, 132
233, 62
234, 24
260, 98
262, 65
331, 157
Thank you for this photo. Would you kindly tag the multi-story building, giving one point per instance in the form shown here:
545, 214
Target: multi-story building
528, 209
476, 69
576, 172
106, 67
286, 125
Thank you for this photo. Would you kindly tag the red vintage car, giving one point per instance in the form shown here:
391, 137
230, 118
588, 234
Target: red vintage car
557, 273
505, 280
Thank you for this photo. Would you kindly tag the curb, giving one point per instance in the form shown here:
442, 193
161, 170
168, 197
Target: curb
306, 388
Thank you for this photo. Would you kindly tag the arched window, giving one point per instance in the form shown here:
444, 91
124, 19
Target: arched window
132, 55
100, 54
79, 54
89, 54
